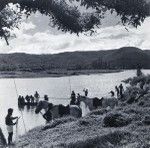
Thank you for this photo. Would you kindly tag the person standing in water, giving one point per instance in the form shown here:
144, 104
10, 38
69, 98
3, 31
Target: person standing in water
9, 123
27, 99
32, 99
37, 96
73, 98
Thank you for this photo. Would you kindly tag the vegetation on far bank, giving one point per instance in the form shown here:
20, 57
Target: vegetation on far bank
52, 73
123, 58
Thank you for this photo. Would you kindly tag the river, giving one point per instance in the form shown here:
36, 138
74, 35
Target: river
58, 90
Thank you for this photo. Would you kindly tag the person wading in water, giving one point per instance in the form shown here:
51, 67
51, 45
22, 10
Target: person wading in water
37, 96
73, 98
9, 123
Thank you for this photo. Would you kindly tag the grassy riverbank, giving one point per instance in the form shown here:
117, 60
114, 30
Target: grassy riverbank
128, 125
51, 73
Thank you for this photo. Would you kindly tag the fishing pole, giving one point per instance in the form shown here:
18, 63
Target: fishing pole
18, 96
20, 110
17, 128
70, 85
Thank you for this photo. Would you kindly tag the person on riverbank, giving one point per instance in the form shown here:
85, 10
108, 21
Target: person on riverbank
142, 83
117, 91
46, 102
9, 123
37, 96
139, 72
121, 89
48, 115
112, 94
85, 92
77, 99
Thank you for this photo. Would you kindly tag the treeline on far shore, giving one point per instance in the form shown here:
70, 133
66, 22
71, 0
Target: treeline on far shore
123, 58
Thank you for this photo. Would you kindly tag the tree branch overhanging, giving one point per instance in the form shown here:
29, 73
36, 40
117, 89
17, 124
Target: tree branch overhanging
69, 18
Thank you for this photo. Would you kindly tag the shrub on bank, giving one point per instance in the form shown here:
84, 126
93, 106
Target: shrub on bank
116, 120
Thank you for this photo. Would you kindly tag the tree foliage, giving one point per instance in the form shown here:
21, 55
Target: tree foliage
68, 17
9, 19
131, 11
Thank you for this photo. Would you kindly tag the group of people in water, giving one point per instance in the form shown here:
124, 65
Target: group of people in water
29, 100
48, 116
75, 99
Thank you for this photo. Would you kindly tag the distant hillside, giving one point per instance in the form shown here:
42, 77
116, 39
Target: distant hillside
123, 58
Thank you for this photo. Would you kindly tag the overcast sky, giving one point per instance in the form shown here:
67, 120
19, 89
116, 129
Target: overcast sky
36, 36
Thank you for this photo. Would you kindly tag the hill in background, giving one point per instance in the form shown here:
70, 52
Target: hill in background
123, 58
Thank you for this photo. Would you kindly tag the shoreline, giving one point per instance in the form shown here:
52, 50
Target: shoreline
52, 73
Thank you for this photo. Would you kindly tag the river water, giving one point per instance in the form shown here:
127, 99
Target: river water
58, 90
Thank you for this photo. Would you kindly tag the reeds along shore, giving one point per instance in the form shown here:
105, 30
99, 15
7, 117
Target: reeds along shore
127, 125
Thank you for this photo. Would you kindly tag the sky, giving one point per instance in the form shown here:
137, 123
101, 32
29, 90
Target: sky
35, 36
